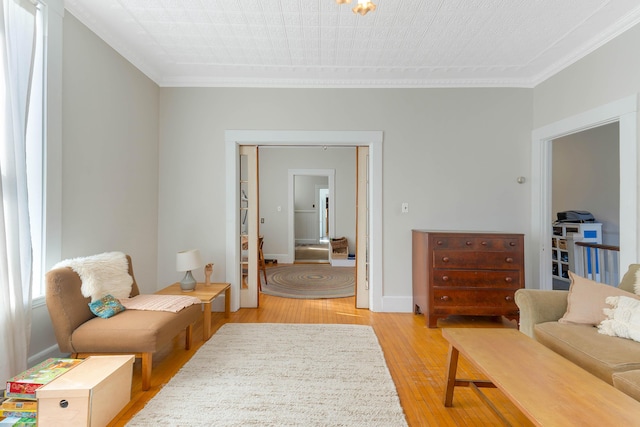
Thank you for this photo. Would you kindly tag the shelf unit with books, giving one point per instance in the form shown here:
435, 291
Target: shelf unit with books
561, 258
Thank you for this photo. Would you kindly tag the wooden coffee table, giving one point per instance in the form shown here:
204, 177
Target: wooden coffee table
549, 389
206, 293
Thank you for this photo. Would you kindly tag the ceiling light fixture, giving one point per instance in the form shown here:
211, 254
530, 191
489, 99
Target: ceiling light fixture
363, 7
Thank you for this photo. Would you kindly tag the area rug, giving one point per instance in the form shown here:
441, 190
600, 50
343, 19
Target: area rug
310, 281
267, 374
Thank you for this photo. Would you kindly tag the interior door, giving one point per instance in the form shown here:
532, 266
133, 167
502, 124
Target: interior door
249, 212
362, 227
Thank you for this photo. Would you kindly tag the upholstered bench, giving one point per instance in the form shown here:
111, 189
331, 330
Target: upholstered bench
140, 332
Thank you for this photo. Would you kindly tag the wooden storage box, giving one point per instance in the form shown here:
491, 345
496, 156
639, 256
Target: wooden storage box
91, 394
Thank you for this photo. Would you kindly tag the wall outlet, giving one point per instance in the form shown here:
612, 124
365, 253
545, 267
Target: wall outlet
405, 207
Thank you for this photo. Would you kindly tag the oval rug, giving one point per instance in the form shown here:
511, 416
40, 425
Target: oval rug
310, 281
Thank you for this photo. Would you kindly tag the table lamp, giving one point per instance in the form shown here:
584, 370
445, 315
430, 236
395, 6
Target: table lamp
187, 261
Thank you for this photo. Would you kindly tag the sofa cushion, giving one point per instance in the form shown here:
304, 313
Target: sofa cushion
630, 279
599, 354
628, 382
586, 300
132, 331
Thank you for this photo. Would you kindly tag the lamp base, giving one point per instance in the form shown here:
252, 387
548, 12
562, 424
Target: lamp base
188, 283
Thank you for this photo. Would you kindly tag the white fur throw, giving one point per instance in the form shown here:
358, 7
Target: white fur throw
102, 274
623, 319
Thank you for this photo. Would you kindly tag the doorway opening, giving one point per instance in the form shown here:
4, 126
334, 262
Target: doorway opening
624, 112
371, 139
311, 216
585, 177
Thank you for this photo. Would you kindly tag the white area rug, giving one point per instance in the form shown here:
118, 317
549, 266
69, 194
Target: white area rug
268, 374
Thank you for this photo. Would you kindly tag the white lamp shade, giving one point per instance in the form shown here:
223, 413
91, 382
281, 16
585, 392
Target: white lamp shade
188, 260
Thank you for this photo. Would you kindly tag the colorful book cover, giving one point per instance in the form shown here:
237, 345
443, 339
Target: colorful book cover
13, 404
18, 422
19, 414
24, 385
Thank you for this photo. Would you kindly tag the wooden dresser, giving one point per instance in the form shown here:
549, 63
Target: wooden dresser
470, 273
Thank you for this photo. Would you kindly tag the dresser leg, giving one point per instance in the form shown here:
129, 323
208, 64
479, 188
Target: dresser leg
433, 321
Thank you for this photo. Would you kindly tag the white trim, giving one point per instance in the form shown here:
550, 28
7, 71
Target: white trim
331, 175
372, 139
623, 111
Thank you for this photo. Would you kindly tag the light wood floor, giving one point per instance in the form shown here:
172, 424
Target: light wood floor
416, 357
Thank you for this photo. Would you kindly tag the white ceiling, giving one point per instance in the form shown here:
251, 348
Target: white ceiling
318, 43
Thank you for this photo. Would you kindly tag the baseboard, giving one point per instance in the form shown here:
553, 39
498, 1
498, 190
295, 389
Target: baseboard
397, 304
52, 351
280, 258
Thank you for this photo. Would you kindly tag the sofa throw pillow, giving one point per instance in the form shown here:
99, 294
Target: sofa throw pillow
106, 307
586, 300
623, 318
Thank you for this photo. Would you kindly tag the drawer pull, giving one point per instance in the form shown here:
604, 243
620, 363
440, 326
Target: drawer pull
439, 242
512, 243
509, 259
508, 298
444, 298
484, 243
469, 243
64, 403
445, 278
508, 279
445, 259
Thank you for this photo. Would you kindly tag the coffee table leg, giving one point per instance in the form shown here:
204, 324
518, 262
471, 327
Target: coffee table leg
206, 328
452, 367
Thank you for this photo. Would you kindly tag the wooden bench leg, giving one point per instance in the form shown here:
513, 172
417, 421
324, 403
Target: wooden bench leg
147, 362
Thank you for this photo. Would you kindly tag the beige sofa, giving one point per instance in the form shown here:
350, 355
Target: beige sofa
615, 360
141, 332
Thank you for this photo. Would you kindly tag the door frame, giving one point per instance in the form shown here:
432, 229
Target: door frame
623, 111
372, 139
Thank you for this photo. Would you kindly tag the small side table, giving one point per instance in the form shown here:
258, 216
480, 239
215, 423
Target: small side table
206, 293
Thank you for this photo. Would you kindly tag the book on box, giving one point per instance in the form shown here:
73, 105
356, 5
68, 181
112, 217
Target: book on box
18, 422
19, 414
13, 404
25, 384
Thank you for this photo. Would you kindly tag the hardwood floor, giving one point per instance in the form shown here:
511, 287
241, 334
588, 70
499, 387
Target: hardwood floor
416, 357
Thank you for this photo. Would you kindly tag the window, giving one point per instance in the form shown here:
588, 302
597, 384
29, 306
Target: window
36, 144
23, 20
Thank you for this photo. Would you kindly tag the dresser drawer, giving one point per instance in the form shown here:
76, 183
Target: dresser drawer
476, 279
476, 243
448, 297
448, 259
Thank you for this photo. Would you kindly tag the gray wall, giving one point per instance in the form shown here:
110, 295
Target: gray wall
452, 154
110, 154
109, 167
586, 176
610, 73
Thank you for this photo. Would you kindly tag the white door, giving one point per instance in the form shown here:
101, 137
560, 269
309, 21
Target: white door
362, 227
248, 198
